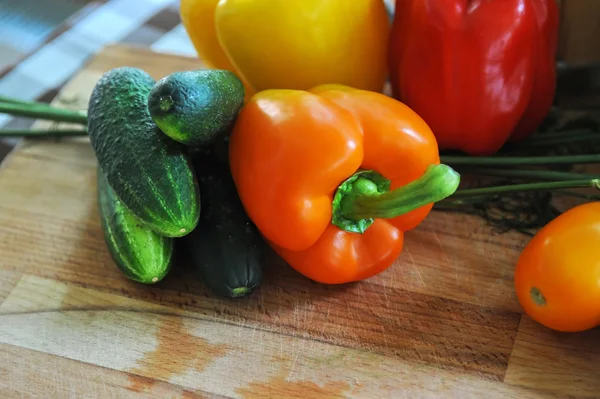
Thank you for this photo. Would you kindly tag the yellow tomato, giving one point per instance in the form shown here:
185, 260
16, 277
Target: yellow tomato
557, 279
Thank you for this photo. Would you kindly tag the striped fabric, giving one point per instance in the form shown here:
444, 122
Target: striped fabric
40, 74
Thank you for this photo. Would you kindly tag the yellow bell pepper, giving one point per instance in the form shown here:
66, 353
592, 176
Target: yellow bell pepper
285, 44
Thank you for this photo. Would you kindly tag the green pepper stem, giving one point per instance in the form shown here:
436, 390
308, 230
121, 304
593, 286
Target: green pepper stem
530, 174
508, 160
514, 188
43, 111
42, 132
362, 198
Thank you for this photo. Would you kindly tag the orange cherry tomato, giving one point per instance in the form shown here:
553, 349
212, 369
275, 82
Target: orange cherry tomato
557, 278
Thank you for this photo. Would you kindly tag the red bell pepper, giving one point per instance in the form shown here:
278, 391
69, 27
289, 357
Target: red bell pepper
479, 72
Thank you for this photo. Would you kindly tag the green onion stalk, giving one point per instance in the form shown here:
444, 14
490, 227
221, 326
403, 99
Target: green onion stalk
499, 166
43, 111
542, 180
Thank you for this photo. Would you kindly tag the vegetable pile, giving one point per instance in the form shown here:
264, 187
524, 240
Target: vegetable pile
330, 177
153, 191
289, 141
160, 180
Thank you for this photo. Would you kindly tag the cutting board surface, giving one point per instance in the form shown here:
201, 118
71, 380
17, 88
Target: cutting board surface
443, 321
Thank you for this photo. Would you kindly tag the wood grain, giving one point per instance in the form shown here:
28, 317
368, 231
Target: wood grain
442, 322
126, 335
66, 378
563, 363
8, 280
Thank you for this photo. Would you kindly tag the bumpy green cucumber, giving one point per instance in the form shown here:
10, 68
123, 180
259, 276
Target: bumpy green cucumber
196, 107
149, 172
139, 252
226, 247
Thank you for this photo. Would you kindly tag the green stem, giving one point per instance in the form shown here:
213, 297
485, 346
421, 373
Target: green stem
507, 160
366, 196
514, 188
537, 296
27, 103
42, 132
4, 99
532, 174
554, 135
43, 111
588, 136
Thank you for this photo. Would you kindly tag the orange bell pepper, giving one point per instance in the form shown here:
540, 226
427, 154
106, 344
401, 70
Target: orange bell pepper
334, 176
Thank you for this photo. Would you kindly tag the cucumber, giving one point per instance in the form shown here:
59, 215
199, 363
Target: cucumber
148, 171
196, 107
139, 252
226, 247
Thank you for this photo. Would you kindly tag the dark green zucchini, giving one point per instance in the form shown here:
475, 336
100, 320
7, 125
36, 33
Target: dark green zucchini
226, 247
140, 253
150, 173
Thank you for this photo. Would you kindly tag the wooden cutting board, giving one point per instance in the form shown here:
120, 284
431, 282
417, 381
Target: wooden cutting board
444, 321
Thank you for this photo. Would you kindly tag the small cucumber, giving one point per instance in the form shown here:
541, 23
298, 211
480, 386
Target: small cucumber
139, 252
226, 247
196, 107
149, 172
